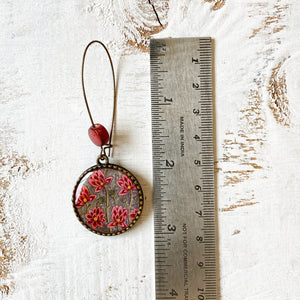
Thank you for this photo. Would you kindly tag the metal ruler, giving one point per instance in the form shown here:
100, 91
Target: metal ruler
183, 168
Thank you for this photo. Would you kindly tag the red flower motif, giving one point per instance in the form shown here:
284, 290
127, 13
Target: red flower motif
119, 215
95, 217
133, 214
84, 197
98, 180
126, 184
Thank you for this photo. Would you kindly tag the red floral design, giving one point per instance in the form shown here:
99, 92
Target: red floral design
95, 217
119, 215
84, 197
126, 184
98, 180
133, 214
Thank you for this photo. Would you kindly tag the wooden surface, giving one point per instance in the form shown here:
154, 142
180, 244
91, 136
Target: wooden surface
46, 253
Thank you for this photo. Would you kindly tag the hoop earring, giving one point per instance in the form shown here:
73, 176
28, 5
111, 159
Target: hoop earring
107, 198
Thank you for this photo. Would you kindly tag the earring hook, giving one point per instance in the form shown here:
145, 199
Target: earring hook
109, 146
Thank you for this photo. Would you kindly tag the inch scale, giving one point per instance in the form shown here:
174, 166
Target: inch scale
183, 168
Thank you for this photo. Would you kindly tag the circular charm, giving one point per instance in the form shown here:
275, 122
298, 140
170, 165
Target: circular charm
107, 199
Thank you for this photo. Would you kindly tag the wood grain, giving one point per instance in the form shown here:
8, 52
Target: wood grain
217, 4
14, 242
135, 20
279, 103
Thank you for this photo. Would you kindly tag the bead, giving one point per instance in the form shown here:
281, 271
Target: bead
98, 135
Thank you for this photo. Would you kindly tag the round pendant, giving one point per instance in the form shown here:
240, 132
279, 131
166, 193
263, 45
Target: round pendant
107, 199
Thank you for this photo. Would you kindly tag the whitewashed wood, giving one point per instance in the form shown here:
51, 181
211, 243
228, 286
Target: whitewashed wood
43, 118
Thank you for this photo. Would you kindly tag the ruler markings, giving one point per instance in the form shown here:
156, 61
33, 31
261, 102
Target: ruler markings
175, 181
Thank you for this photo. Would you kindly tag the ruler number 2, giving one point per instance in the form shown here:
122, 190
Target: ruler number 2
168, 99
170, 163
199, 213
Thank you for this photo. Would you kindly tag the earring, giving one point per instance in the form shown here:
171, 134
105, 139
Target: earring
107, 198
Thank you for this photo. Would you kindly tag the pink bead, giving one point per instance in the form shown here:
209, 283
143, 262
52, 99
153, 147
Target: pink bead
98, 135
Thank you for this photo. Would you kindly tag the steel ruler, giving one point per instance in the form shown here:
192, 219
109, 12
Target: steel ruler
183, 168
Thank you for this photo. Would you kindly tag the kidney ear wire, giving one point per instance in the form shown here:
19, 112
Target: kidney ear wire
97, 132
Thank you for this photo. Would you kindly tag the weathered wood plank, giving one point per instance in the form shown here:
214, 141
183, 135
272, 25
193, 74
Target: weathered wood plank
45, 252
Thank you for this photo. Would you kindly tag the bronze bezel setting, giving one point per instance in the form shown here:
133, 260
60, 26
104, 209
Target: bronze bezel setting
124, 171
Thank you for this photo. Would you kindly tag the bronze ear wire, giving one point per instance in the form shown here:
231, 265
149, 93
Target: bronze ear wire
100, 134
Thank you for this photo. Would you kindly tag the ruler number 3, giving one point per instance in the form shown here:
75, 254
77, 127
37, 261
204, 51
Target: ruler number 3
171, 228
196, 112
